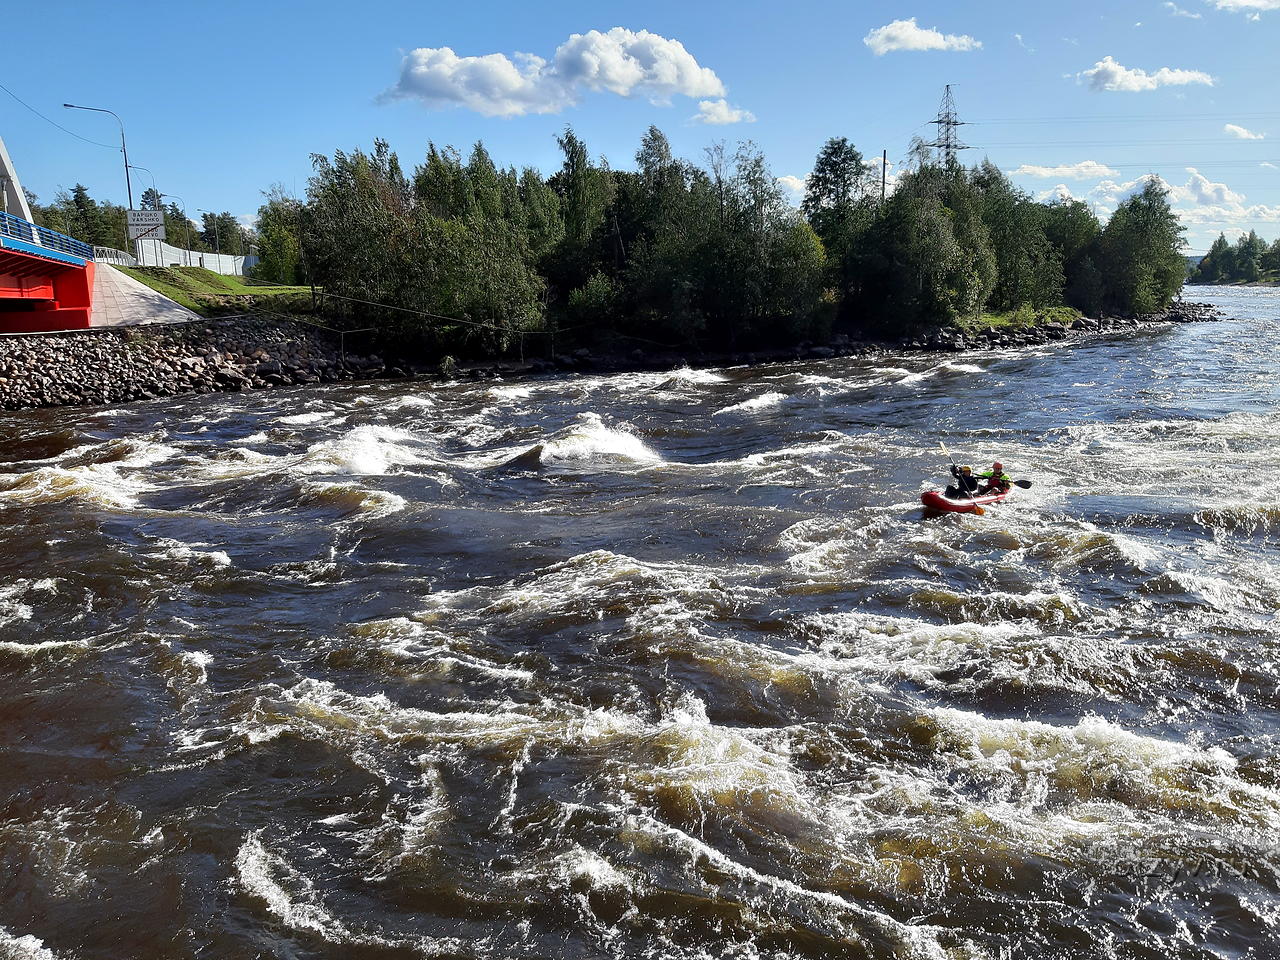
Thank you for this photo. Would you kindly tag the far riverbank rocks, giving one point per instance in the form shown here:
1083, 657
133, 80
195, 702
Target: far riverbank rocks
108, 366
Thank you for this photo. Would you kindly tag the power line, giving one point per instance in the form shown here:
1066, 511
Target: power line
1131, 118
109, 146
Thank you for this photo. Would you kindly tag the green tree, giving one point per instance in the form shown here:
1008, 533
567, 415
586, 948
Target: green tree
1217, 265
279, 238
838, 205
1141, 252
1270, 261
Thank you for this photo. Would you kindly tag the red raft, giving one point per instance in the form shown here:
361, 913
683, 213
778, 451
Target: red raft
934, 500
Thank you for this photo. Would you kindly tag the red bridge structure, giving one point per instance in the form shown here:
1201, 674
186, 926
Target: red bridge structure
46, 278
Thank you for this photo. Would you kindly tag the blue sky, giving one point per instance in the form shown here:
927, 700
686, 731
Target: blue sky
221, 100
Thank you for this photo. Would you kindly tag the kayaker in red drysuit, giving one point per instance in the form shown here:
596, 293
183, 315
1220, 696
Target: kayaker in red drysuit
995, 480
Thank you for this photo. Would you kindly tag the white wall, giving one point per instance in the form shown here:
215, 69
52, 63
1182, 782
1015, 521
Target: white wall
157, 253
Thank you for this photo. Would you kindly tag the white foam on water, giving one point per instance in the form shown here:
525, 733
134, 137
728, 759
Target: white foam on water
689, 376
511, 392
354, 499
288, 895
410, 402
913, 941
100, 484
13, 596
577, 587
432, 650
302, 419
1098, 759
23, 948
369, 450
766, 401
589, 440
189, 553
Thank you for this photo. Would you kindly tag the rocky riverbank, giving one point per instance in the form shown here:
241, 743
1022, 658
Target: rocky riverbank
946, 339
144, 362
141, 363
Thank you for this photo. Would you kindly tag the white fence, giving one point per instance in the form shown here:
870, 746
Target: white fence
157, 253
112, 255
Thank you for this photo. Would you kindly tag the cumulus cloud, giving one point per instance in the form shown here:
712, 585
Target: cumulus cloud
718, 112
1059, 194
622, 62
1107, 74
1201, 190
1252, 7
1242, 133
907, 35
1084, 170
1110, 194
1204, 206
1177, 11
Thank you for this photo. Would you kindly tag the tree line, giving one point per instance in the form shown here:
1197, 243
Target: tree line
1248, 260
461, 256
102, 223
706, 255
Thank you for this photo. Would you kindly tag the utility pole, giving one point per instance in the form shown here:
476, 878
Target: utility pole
884, 170
947, 121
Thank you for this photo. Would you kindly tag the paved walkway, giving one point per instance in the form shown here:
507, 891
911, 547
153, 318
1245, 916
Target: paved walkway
121, 301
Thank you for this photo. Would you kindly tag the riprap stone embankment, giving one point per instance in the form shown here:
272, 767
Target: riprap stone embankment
143, 362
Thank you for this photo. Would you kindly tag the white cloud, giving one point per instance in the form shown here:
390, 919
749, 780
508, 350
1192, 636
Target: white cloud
1084, 170
1205, 207
623, 62
1269, 165
1201, 190
1023, 44
1110, 194
1106, 74
906, 35
718, 112
1059, 194
793, 186
1242, 133
1177, 11
1252, 7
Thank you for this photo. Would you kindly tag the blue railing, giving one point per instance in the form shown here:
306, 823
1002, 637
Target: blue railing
19, 229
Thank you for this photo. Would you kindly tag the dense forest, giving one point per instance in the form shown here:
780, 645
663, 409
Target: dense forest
1248, 260
461, 256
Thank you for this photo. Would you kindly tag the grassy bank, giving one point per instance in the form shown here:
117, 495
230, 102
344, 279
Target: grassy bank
1024, 318
203, 290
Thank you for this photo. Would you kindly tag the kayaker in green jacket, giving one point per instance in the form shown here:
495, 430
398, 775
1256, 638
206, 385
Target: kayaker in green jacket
995, 480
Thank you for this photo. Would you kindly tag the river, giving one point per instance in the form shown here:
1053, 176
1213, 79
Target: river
655, 665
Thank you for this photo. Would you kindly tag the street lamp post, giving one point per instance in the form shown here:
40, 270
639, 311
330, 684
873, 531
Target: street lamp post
186, 222
128, 184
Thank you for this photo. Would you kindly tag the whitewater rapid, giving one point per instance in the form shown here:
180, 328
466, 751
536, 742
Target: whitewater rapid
655, 665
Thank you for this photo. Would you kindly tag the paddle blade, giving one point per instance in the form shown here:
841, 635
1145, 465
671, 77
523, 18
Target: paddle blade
980, 511
1024, 484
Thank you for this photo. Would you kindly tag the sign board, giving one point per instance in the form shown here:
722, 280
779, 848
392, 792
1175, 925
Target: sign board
146, 224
